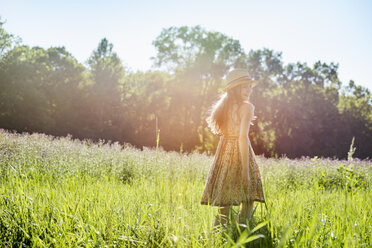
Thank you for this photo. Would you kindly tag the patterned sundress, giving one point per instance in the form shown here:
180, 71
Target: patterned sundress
224, 185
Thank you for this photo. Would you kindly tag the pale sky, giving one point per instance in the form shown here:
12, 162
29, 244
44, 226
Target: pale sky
306, 31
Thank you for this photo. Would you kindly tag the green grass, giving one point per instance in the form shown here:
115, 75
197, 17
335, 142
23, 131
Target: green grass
59, 192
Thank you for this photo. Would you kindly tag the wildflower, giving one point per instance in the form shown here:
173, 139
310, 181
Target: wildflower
174, 238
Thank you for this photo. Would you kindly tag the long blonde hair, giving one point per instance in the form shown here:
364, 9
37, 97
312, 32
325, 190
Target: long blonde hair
217, 118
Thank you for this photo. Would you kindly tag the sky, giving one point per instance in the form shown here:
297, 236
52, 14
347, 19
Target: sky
306, 31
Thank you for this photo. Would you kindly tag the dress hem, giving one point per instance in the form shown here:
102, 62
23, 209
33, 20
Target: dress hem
227, 205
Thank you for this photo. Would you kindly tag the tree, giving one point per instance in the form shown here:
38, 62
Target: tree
265, 66
198, 59
302, 110
7, 41
38, 89
64, 83
104, 96
356, 111
146, 99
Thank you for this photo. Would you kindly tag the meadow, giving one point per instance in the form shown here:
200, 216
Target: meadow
61, 192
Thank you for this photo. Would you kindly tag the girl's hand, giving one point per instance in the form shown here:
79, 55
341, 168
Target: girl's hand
253, 119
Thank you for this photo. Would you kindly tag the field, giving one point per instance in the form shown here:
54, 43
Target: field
60, 192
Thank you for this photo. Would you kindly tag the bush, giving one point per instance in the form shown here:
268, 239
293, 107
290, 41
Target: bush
343, 178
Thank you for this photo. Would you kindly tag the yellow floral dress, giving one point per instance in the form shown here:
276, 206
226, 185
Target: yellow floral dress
224, 185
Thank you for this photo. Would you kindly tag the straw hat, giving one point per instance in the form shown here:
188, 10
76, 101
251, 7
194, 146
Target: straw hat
237, 77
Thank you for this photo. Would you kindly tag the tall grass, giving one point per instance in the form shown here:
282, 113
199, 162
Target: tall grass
59, 192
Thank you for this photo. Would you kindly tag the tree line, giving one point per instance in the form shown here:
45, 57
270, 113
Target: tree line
301, 110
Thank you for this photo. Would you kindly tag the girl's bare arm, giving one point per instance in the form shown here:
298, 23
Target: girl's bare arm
246, 114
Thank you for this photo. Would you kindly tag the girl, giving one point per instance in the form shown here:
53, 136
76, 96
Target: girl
234, 177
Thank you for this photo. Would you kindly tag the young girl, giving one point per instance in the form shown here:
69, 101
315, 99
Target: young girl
234, 177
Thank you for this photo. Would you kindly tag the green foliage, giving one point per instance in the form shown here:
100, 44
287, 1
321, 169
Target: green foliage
38, 89
302, 110
7, 41
183, 47
343, 178
61, 192
246, 236
199, 59
103, 97
355, 107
